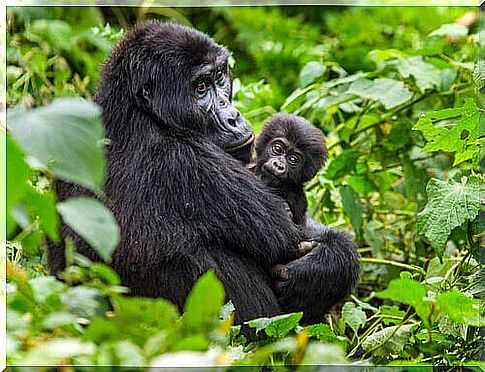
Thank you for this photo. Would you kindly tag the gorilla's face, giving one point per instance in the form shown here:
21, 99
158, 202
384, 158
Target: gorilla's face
181, 78
212, 87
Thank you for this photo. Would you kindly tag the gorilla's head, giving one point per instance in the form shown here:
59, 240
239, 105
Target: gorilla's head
179, 79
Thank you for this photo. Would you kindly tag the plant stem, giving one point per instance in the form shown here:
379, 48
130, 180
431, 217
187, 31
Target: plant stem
392, 263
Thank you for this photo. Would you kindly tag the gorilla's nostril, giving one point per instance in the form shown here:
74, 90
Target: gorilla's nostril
231, 122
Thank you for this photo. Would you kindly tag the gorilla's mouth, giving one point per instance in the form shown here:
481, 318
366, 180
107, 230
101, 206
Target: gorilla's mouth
244, 143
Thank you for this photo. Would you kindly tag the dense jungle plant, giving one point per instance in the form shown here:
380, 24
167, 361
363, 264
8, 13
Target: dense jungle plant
399, 99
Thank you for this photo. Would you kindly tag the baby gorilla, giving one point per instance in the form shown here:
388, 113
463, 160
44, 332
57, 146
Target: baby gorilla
289, 152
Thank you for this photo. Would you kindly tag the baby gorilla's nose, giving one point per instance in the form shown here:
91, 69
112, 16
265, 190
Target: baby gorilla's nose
278, 166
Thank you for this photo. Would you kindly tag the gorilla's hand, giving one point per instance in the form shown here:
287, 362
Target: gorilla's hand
307, 246
284, 272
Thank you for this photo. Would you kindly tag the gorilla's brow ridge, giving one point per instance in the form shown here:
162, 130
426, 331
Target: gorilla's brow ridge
208, 69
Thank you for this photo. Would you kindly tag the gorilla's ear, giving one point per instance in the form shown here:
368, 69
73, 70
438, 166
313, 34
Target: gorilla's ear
145, 94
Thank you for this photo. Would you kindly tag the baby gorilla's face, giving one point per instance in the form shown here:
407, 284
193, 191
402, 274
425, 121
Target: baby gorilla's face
284, 161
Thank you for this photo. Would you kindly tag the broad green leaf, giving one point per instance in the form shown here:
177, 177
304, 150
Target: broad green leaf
193, 342
450, 29
352, 207
353, 316
135, 319
64, 138
43, 205
277, 326
57, 351
322, 332
389, 341
389, 92
409, 292
59, 319
324, 354
45, 286
85, 301
93, 222
461, 138
374, 236
343, 164
311, 72
460, 308
426, 75
449, 205
204, 303
17, 175
391, 314
125, 354
380, 55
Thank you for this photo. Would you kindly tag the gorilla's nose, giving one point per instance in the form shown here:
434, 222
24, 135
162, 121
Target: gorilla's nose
233, 118
278, 166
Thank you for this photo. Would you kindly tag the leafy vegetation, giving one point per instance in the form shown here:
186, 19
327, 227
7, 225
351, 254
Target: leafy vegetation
397, 93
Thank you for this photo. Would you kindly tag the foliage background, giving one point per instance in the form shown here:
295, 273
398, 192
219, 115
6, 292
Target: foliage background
397, 93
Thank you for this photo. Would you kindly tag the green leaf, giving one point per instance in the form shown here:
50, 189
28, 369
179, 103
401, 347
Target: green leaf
85, 301
197, 342
353, 316
374, 236
389, 92
57, 351
461, 138
352, 207
450, 204
343, 164
389, 341
204, 303
460, 308
450, 29
64, 138
322, 332
391, 314
43, 205
18, 173
93, 222
135, 318
380, 55
409, 292
277, 326
426, 75
311, 72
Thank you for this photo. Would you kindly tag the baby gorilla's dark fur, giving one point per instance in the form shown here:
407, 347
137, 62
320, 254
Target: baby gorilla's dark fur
289, 152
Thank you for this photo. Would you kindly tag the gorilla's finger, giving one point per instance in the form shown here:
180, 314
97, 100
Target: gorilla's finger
306, 246
280, 272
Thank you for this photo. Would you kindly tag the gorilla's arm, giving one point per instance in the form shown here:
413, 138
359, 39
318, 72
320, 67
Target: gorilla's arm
323, 277
226, 204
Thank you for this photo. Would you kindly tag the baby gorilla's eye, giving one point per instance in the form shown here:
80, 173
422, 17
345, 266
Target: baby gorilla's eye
293, 159
201, 87
278, 149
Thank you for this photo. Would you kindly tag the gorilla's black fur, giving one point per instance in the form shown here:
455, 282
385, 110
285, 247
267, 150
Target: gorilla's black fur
184, 205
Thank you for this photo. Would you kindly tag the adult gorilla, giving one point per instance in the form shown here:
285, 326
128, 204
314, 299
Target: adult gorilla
183, 201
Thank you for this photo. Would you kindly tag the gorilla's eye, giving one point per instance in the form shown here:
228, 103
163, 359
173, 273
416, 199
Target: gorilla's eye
294, 159
219, 75
201, 87
278, 148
